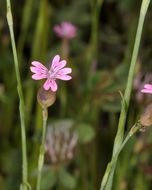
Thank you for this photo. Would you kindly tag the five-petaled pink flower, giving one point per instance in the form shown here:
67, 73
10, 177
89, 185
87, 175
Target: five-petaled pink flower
65, 30
147, 89
56, 71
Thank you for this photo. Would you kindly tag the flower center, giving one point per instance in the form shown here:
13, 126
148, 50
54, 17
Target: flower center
51, 74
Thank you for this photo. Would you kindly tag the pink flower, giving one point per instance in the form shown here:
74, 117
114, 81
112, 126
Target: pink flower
56, 71
147, 89
65, 30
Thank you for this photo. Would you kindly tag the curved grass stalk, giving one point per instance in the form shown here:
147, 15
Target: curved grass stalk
111, 166
108, 176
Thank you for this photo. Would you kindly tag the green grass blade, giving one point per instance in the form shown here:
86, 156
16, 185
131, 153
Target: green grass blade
122, 120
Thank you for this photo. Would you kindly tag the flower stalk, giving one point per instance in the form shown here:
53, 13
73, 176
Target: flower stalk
24, 185
42, 149
65, 48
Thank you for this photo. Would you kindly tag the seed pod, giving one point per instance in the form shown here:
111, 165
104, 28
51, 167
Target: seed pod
46, 97
146, 116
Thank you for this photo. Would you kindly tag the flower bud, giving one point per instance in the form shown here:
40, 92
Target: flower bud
146, 116
46, 97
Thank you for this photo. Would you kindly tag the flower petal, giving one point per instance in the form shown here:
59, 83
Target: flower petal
50, 84
60, 65
55, 61
57, 64
38, 76
64, 77
39, 65
148, 86
64, 71
53, 86
65, 30
146, 91
35, 70
46, 85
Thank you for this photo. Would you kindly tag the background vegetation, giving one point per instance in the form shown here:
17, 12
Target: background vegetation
88, 106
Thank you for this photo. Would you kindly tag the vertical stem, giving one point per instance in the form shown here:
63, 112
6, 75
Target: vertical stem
112, 165
65, 48
108, 176
21, 99
123, 115
42, 149
96, 7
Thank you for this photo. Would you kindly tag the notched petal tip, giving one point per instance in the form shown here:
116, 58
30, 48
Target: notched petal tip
31, 68
56, 59
53, 85
46, 85
35, 63
54, 90
39, 65
35, 77
38, 76
64, 77
65, 71
35, 70
146, 91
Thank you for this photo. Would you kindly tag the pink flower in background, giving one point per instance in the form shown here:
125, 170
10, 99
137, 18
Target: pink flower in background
147, 89
56, 71
65, 30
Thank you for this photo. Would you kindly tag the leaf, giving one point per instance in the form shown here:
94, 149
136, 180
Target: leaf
67, 180
123, 102
49, 179
85, 132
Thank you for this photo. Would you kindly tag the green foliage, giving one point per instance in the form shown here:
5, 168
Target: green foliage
89, 105
66, 179
49, 178
85, 132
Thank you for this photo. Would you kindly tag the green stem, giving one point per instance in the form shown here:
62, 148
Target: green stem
111, 166
65, 48
127, 95
122, 120
42, 149
96, 7
21, 99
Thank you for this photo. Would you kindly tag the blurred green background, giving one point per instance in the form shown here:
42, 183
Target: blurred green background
87, 108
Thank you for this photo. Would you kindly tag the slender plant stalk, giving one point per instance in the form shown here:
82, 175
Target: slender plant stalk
111, 166
24, 185
123, 115
65, 48
95, 24
108, 177
42, 149
96, 7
